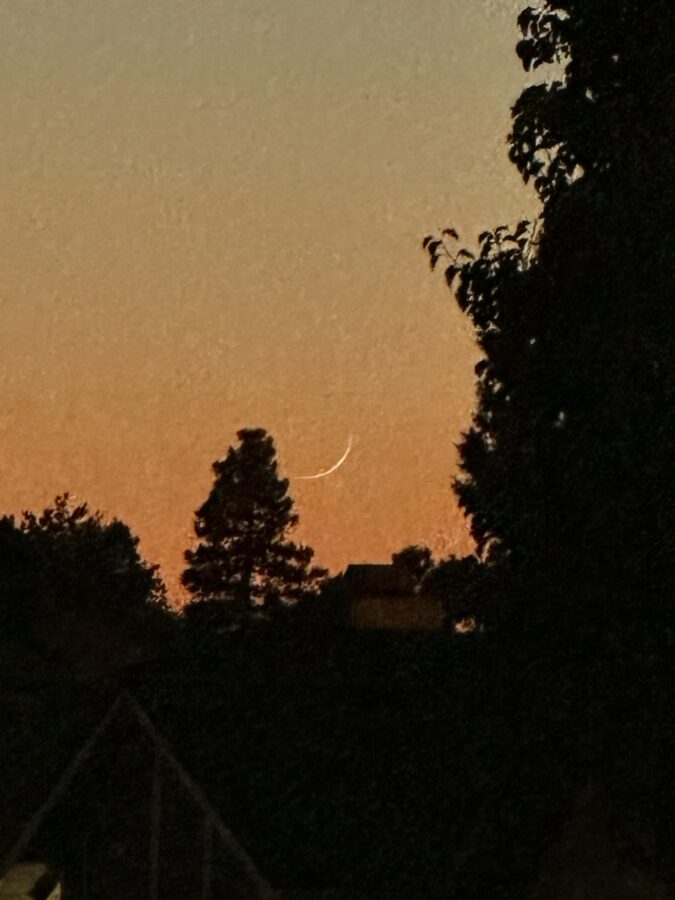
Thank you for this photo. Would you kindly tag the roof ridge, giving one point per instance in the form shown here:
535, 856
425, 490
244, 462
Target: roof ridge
211, 816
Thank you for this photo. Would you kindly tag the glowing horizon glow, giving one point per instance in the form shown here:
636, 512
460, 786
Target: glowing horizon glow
323, 472
212, 217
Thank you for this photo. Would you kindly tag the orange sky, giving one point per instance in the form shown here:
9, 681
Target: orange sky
211, 219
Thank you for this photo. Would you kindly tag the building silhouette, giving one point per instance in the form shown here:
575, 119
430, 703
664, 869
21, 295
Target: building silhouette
385, 597
126, 821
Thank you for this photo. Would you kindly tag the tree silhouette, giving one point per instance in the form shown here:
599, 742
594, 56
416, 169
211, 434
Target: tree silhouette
465, 587
244, 562
23, 581
88, 561
74, 584
415, 560
568, 471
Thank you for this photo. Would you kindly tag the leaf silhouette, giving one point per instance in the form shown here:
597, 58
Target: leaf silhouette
465, 254
450, 274
525, 19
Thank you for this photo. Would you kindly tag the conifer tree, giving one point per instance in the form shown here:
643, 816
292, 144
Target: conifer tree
244, 560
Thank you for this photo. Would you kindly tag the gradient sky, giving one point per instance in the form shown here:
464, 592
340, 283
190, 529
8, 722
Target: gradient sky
211, 219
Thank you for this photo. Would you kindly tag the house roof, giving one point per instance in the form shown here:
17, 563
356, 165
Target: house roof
30, 880
126, 712
373, 578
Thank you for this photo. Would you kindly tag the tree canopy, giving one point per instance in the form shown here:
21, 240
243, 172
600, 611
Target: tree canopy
416, 560
73, 583
87, 560
244, 561
466, 588
567, 470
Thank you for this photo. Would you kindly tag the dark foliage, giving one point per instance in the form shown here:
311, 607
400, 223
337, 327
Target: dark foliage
567, 472
468, 590
568, 464
88, 561
22, 580
72, 583
415, 560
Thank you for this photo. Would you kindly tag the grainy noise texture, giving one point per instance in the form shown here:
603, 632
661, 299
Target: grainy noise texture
211, 220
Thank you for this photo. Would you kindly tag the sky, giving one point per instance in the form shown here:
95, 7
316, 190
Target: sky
211, 219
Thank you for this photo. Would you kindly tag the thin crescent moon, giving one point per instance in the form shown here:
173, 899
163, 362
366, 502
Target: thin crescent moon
323, 472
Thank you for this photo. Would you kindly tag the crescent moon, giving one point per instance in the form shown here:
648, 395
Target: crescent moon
323, 472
